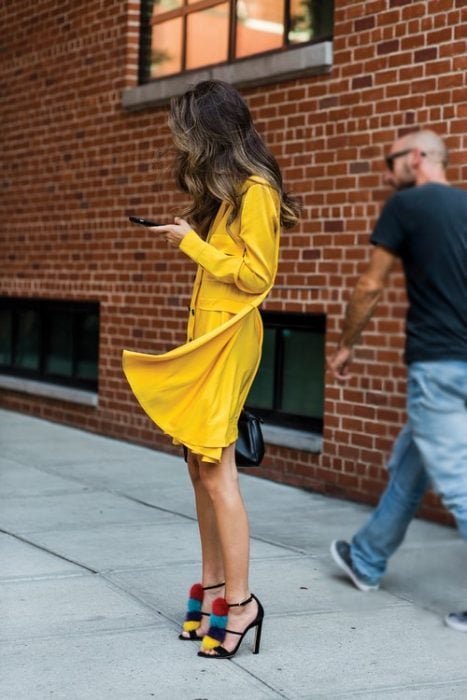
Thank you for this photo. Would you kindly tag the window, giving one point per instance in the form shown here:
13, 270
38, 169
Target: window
182, 35
289, 387
52, 341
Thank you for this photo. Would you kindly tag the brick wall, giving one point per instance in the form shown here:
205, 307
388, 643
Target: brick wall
74, 164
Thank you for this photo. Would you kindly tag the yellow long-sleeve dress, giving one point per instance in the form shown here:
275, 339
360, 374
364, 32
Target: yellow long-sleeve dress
196, 391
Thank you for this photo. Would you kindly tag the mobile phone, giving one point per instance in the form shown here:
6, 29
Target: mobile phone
142, 222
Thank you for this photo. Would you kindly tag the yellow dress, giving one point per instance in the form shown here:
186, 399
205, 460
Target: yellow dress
196, 391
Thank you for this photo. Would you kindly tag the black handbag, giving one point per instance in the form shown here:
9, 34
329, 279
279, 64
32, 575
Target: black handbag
249, 448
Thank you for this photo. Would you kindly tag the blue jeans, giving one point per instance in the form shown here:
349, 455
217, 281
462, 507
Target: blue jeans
431, 448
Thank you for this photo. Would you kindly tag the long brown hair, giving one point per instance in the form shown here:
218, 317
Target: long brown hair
217, 149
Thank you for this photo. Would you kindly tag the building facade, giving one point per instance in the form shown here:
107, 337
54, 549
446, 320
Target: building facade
84, 96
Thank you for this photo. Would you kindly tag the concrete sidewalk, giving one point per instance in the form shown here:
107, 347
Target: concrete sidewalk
99, 546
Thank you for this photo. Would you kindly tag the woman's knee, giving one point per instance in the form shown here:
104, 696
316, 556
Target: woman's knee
218, 482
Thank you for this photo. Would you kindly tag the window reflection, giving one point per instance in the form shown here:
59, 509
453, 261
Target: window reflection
88, 344
310, 19
59, 358
166, 50
179, 35
208, 36
260, 26
262, 391
302, 392
160, 6
27, 344
6, 336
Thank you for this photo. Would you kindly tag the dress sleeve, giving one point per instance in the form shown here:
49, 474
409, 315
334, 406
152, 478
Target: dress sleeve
253, 271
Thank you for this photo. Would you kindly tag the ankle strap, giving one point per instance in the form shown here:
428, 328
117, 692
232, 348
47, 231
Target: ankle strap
240, 605
216, 585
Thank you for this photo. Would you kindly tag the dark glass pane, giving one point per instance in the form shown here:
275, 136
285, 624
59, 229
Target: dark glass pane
207, 36
6, 340
27, 341
303, 377
262, 392
88, 347
59, 357
260, 26
166, 48
310, 19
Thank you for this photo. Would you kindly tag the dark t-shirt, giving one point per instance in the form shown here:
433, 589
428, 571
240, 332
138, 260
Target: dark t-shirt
426, 226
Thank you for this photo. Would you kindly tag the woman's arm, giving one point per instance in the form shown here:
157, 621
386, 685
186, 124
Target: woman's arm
253, 272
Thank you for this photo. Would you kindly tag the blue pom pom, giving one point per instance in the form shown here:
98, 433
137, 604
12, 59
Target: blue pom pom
217, 633
194, 605
193, 616
218, 620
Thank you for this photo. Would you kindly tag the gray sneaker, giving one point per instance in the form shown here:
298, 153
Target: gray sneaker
340, 551
457, 621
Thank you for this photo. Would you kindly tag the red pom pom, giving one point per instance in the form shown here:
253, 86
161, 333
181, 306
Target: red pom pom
196, 591
220, 607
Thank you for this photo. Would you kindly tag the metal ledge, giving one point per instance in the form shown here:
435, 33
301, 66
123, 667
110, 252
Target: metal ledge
307, 60
49, 391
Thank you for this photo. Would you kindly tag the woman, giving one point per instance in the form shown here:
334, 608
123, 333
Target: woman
195, 392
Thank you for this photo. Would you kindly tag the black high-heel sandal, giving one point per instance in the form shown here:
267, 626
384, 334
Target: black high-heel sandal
217, 631
194, 612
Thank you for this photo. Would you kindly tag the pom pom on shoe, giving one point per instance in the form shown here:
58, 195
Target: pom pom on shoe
217, 625
217, 633
193, 615
194, 605
209, 643
191, 625
196, 592
220, 607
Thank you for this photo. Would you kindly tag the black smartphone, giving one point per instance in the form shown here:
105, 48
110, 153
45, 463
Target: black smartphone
142, 222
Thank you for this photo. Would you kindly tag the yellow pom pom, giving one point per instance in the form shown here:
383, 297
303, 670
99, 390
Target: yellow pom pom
209, 642
190, 625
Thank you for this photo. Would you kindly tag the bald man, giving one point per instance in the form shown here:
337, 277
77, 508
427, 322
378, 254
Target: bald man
425, 225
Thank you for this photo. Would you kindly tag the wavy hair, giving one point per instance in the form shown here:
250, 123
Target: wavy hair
217, 149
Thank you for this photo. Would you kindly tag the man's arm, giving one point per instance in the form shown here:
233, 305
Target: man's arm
360, 308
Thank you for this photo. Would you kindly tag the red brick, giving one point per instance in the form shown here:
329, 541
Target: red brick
386, 47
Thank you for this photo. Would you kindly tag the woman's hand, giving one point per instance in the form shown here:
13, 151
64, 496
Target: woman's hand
173, 233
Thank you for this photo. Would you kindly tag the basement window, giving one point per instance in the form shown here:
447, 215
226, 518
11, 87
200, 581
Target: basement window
288, 390
50, 341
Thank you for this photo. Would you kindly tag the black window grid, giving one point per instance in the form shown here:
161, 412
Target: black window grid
44, 308
280, 321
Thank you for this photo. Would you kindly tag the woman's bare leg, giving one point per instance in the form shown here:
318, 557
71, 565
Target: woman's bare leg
222, 486
212, 563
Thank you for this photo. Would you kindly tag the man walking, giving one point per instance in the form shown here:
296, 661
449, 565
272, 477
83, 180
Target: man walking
425, 225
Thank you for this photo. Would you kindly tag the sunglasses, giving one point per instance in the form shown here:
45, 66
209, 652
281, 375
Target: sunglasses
392, 157
398, 154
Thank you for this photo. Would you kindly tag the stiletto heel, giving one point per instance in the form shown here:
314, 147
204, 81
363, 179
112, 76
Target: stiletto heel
194, 612
259, 627
217, 630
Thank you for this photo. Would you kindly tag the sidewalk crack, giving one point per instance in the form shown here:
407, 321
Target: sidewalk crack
48, 551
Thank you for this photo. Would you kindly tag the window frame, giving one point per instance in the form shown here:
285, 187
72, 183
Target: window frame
294, 321
147, 21
44, 308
